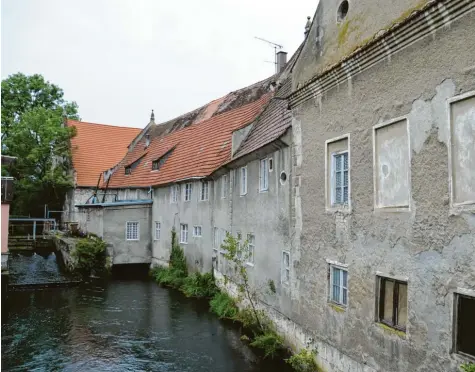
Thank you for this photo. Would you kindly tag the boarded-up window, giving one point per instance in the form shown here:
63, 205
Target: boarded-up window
462, 149
392, 165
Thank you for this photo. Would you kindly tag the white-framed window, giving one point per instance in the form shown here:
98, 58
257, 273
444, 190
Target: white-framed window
251, 245
184, 233
197, 231
157, 230
243, 180
216, 241
187, 192
264, 175
271, 164
340, 178
173, 193
132, 230
204, 190
224, 186
338, 285
285, 267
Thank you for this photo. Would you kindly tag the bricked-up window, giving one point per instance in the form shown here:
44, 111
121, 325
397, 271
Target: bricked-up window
132, 230
157, 230
187, 192
464, 326
183, 233
338, 285
393, 303
204, 190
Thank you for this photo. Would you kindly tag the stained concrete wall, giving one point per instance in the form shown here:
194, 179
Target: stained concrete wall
432, 244
195, 212
128, 251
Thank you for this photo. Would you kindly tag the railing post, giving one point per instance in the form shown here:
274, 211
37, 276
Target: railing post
34, 230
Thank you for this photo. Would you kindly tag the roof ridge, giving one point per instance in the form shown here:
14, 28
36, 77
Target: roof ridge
101, 124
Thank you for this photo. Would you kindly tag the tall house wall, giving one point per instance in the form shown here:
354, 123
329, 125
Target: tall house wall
407, 126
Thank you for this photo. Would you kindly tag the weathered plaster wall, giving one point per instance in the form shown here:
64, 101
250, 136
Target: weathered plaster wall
198, 251
128, 251
329, 40
75, 196
430, 244
91, 220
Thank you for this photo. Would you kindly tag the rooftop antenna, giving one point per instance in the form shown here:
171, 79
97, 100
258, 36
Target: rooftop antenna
276, 46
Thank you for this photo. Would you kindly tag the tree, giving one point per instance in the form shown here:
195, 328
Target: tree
33, 131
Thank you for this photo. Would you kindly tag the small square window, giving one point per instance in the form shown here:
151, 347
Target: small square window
157, 230
251, 246
464, 326
285, 267
264, 175
187, 192
197, 231
204, 190
243, 172
183, 233
338, 285
393, 303
132, 231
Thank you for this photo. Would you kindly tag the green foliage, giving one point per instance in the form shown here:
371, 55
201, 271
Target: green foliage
90, 255
304, 361
269, 342
201, 286
223, 306
468, 367
33, 131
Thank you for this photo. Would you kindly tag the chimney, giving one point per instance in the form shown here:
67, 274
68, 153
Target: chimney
281, 61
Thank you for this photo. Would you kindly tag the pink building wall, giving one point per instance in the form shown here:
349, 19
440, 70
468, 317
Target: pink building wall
5, 216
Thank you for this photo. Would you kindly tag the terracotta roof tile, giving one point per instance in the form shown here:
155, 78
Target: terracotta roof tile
97, 147
198, 150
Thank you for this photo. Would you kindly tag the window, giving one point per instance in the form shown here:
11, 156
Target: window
342, 10
271, 164
128, 170
187, 193
285, 267
243, 180
251, 245
204, 190
157, 230
197, 231
132, 231
464, 324
393, 303
173, 193
183, 233
340, 178
337, 176
216, 241
224, 186
155, 165
239, 242
264, 175
338, 285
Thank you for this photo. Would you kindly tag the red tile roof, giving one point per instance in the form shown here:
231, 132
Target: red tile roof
97, 147
197, 150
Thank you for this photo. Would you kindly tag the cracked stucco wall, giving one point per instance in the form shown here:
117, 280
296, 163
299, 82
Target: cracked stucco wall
429, 244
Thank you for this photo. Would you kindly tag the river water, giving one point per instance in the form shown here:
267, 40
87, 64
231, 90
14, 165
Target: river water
115, 325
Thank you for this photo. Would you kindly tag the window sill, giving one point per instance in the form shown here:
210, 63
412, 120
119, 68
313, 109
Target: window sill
337, 307
132, 240
183, 242
466, 358
250, 264
391, 330
241, 195
345, 209
204, 200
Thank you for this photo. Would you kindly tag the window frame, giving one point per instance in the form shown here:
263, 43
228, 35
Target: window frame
264, 175
340, 301
185, 191
243, 185
334, 171
127, 230
174, 194
285, 276
183, 229
159, 225
458, 293
395, 305
224, 184
155, 165
329, 206
195, 229
204, 192
249, 250
270, 164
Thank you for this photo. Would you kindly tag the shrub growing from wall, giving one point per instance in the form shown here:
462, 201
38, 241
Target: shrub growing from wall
90, 256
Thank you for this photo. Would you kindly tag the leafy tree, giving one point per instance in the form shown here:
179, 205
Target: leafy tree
33, 131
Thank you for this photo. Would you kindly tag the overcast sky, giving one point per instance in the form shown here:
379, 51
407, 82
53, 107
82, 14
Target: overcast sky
118, 59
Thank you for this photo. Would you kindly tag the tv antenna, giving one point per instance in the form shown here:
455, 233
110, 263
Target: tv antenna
275, 46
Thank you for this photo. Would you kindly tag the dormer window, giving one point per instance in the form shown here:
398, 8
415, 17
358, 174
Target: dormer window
128, 170
155, 165
147, 140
